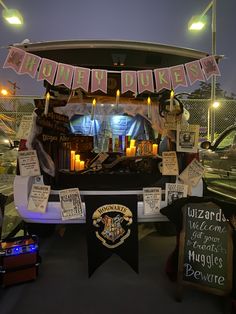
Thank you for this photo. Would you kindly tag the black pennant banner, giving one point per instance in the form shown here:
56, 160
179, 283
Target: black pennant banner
111, 228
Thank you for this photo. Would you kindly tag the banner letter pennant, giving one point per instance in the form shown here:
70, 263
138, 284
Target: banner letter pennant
47, 70
210, 67
145, 81
128, 81
64, 75
194, 72
30, 64
81, 78
99, 81
14, 59
162, 79
178, 76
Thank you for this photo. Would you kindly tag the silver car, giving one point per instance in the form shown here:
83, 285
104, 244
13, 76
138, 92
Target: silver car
219, 160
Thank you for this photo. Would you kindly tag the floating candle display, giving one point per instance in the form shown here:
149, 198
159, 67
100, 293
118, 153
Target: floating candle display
72, 160
46, 103
154, 149
132, 143
81, 165
77, 162
128, 151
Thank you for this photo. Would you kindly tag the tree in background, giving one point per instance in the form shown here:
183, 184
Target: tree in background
204, 92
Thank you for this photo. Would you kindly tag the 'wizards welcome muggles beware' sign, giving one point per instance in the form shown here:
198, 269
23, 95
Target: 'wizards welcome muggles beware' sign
111, 228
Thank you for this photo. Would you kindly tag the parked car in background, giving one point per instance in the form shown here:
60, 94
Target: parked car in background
219, 161
8, 154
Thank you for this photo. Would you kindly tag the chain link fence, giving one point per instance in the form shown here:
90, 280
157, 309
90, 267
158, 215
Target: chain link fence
223, 116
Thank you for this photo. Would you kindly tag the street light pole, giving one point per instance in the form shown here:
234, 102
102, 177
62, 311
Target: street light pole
213, 79
211, 112
12, 16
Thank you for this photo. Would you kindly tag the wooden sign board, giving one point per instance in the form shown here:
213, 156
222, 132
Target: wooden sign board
205, 250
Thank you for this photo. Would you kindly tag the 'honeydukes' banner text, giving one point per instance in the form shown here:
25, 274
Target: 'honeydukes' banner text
135, 81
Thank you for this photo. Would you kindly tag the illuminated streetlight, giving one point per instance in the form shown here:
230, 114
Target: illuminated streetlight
216, 104
12, 16
197, 23
4, 92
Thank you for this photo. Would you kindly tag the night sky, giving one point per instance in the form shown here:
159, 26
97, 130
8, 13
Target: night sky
158, 21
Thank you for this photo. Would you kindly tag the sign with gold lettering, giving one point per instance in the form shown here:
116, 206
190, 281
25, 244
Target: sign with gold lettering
111, 228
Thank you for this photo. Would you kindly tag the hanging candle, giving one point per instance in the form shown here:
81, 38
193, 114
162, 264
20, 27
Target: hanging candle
46, 103
117, 98
172, 100
93, 108
149, 107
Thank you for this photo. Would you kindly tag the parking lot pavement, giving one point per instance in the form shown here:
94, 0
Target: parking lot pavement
63, 285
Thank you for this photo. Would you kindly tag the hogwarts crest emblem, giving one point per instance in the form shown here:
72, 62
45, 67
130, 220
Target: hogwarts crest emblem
112, 222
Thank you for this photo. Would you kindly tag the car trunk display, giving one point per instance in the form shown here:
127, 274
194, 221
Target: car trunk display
106, 137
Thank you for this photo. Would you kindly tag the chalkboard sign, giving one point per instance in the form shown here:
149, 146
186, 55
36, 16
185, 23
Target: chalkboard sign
205, 249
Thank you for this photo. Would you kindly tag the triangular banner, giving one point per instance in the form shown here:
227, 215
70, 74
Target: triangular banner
210, 67
134, 81
99, 81
194, 72
14, 59
111, 228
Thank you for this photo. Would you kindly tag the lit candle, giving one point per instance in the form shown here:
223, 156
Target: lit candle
172, 100
149, 107
46, 103
154, 149
132, 143
117, 97
93, 108
77, 162
133, 150
72, 160
81, 165
128, 151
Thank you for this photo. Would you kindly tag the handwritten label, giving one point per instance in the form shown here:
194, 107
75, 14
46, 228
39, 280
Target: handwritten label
205, 245
71, 206
38, 198
25, 127
28, 163
151, 200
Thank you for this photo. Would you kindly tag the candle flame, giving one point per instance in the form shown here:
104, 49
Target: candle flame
48, 96
149, 100
94, 102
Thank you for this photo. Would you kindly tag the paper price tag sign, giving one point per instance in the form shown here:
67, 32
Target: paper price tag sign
25, 127
192, 173
151, 200
71, 206
170, 164
187, 138
28, 163
38, 198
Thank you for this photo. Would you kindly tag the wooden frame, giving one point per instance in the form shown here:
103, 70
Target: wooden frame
227, 260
